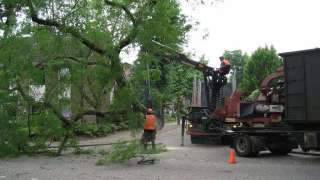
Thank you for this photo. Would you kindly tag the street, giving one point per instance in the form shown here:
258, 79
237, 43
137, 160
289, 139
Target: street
191, 162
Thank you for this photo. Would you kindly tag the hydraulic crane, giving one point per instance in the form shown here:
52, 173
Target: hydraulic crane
202, 123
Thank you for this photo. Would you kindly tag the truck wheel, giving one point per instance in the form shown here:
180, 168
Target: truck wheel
280, 151
243, 146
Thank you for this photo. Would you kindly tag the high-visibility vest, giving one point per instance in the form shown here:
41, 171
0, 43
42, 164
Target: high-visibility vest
150, 123
224, 67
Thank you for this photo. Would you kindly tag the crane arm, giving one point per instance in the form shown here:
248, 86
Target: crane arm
183, 59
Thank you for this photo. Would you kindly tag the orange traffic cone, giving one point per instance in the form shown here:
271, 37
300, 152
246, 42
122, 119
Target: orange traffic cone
232, 156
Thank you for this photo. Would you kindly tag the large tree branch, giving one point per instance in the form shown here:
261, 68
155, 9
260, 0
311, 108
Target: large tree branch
76, 60
128, 39
97, 113
124, 8
64, 28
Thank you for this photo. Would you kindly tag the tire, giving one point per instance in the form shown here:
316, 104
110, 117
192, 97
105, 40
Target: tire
245, 146
280, 151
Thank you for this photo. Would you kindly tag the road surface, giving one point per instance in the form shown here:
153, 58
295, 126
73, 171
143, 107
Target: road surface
191, 162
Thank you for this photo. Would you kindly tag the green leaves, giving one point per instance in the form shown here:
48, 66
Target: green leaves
84, 38
121, 152
165, 23
262, 62
124, 151
237, 59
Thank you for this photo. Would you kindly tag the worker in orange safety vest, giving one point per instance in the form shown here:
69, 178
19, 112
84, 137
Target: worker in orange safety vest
225, 66
150, 128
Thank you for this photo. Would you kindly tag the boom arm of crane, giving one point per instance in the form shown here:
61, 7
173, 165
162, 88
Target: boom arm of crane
213, 80
183, 59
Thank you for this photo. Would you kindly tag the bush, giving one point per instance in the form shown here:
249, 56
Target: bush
92, 129
170, 118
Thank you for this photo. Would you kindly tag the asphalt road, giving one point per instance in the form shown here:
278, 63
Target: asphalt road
191, 162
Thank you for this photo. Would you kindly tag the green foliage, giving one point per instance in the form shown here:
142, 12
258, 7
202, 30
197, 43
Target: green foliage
262, 62
122, 109
165, 23
104, 127
103, 152
180, 85
92, 129
121, 152
84, 38
12, 141
181, 81
169, 118
124, 151
171, 87
160, 148
17, 137
254, 95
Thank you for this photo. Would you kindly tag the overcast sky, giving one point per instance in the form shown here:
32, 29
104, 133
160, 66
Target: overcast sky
247, 24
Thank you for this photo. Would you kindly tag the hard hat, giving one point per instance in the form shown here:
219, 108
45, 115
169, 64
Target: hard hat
149, 110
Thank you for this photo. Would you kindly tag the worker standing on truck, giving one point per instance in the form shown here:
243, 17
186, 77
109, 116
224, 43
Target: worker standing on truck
149, 133
225, 66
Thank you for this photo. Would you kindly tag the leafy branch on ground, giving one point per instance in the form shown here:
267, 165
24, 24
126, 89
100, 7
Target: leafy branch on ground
124, 151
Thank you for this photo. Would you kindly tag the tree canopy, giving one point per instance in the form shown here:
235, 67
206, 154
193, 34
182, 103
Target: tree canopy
262, 62
237, 59
73, 48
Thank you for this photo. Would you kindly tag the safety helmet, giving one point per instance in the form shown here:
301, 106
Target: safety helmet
149, 110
